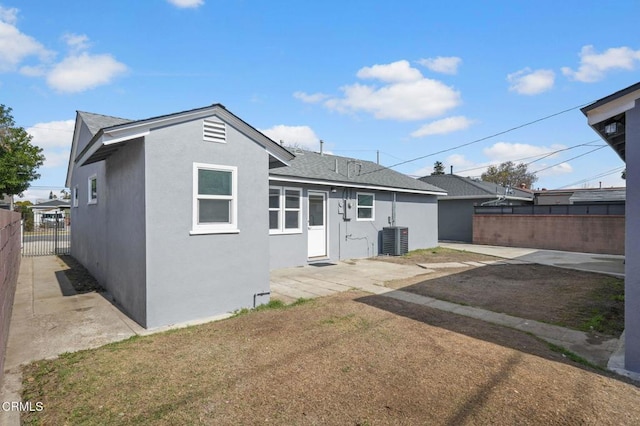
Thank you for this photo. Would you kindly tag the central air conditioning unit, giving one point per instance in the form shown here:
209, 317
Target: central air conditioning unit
395, 240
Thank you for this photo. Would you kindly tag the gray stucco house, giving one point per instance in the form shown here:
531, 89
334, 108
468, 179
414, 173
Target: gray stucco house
455, 210
616, 118
240, 205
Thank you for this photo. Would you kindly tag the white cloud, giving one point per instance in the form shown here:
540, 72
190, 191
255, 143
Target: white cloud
310, 98
395, 72
444, 126
303, 136
405, 94
54, 138
505, 151
559, 169
442, 64
183, 4
77, 42
529, 82
15, 47
594, 66
77, 73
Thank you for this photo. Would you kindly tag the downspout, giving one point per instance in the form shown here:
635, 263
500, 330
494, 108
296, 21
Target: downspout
393, 210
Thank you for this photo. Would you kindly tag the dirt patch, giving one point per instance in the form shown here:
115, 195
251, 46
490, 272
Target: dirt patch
580, 300
81, 280
351, 358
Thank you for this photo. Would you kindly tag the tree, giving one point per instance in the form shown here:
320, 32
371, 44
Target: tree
438, 168
510, 174
24, 208
19, 159
624, 174
66, 195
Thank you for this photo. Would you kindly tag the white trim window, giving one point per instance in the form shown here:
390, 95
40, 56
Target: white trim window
365, 206
92, 189
215, 199
75, 196
285, 212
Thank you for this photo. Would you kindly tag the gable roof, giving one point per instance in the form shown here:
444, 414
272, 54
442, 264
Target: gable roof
313, 167
110, 133
52, 203
607, 117
459, 187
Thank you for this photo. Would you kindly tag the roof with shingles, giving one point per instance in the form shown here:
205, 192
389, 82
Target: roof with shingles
95, 122
309, 165
458, 186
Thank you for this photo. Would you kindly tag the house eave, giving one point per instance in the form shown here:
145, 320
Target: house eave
109, 139
341, 184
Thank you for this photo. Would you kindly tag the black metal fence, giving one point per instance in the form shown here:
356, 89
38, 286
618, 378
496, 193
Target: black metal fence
47, 234
557, 209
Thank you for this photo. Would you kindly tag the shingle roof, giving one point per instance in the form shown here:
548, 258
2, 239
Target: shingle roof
95, 122
599, 195
458, 186
308, 165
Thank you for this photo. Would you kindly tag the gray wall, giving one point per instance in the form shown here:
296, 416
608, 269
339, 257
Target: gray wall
358, 239
455, 219
632, 242
125, 223
195, 276
88, 221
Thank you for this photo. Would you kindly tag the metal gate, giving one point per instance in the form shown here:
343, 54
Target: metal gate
47, 233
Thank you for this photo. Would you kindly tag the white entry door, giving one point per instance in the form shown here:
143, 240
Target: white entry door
317, 224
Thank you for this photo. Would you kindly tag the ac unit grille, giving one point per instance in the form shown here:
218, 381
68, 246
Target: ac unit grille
395, 240
214, 131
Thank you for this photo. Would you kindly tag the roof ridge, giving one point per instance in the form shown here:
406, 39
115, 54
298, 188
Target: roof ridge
103, 115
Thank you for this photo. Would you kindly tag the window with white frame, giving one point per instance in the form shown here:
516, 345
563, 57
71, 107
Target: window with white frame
364, 206
75, 196
215, 199
92, 193
284, 210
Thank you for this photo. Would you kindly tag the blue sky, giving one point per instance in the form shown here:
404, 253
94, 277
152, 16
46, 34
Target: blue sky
405, 78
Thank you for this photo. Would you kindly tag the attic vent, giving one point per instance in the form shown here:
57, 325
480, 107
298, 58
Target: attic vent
214, 131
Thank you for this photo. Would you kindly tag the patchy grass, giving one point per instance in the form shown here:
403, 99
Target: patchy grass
436, 254
351, 358
605, 311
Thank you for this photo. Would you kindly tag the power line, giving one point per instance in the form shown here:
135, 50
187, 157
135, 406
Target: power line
603, 174
540, 156
573, 158
482, 139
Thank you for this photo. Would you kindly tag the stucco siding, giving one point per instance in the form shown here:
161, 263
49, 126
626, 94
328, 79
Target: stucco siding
632, 242
353, 238
455, 220
196, 276
125, 243
88, 221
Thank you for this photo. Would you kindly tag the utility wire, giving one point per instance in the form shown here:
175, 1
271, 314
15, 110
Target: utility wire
481, 139
603, 174
538, 157
573, 158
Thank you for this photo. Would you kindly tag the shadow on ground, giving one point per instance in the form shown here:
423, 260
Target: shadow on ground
477, 329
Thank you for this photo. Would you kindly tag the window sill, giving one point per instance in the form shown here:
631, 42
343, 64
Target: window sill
365, 220
213, 231
92, 202
290, 232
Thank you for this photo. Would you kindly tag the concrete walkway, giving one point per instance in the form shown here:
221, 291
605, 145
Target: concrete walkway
601, 263
370, 276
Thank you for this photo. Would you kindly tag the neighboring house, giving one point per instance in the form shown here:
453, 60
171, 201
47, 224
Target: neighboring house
240, 205
580, 196
455, 210
348, 203
51, 213
616, 118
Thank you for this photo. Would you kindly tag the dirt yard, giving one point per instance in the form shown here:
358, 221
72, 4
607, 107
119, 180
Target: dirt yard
579, 300
351, 358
